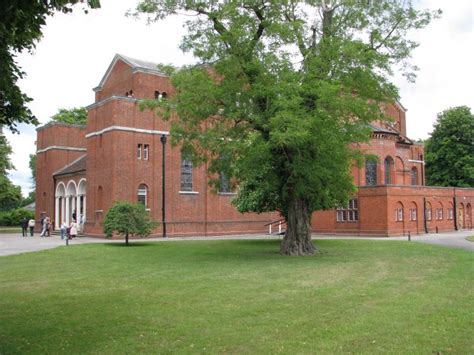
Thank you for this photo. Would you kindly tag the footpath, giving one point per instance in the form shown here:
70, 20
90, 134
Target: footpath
11, 244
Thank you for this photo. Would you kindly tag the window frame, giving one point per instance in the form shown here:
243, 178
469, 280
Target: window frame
348, 213
142, 192
139, 151
186, 174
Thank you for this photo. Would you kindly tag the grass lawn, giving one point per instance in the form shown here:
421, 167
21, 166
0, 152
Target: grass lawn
10, 230
238, 297
470, 238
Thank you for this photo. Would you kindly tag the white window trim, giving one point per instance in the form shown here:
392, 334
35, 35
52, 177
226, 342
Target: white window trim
188, 192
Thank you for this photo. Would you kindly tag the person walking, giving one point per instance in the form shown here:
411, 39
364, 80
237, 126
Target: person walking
24, 227
73, 229
31, 225
49, 226
44, 226
63, 230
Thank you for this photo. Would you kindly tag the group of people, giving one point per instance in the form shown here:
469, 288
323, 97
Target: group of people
27, 224
46, 227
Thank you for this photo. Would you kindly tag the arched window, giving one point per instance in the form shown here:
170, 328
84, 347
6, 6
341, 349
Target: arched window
388, 164
399, 212
370, 172
186, 173
142, 194
414, 176
157, 95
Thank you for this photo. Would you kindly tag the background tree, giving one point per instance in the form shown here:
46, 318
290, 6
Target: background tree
281, 90
128, 219
76, 115
20, 29
449, 152
10, 194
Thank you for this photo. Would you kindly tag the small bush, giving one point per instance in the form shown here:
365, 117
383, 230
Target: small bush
14, 217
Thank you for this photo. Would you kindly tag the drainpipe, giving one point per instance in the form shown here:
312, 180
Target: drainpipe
455, 214
163, 186
425, 223
422, 170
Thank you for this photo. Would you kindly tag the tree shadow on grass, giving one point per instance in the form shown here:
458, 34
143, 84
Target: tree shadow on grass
130, 245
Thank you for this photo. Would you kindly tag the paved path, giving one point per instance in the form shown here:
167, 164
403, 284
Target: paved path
16, 244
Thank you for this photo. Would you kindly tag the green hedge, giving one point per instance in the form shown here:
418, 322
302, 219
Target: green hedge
14, 217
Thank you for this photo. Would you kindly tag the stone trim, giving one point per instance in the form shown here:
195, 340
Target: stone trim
61, 147
112, 98
126, 129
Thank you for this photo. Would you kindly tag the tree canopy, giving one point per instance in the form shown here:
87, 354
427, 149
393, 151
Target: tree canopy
127, 220
10, 194
20, 29
449, 152
280, 91
76, 115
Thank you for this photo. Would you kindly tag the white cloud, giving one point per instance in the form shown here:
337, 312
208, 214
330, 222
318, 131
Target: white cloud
76, 49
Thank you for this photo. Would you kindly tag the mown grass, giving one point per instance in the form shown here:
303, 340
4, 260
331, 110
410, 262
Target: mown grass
9, 230
470, 238
238, 297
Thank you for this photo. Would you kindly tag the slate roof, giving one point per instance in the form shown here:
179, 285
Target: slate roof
76, 166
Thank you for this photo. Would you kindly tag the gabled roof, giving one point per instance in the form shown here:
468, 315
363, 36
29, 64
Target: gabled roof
135, 65
76, 166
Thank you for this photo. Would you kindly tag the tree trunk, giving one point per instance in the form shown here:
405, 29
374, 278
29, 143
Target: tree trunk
297, 240
126, 238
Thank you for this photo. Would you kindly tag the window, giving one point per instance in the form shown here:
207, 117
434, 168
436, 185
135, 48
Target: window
388, 170
139, 151
186, 173
439, 214
164, 95
413, 214
428, 214
146, 149
142, 194
370, 172
414, 176
157, 95
160, 96
450, 213
224, 183
399, 214
350, 213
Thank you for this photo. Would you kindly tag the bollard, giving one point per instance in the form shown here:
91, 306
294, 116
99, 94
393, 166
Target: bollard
67, 241
409, 236
436, 229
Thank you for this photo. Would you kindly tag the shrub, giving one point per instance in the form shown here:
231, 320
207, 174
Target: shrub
14, 217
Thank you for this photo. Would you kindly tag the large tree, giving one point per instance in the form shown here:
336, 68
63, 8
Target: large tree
76, 115
10, 194
450, 149
281, 91
20, 29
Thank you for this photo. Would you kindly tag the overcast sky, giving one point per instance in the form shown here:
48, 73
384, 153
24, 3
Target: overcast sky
76, 50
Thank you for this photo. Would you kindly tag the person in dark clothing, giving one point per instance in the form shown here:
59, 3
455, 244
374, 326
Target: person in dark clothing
24, 227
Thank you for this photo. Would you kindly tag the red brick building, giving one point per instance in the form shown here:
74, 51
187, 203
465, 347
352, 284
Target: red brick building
118, 156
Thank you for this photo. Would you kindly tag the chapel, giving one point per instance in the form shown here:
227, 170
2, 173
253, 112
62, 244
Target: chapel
123, 154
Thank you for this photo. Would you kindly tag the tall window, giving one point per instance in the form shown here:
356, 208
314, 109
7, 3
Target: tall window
428, 212
349, 213
450, 213
142, 194
413, 215
439, 213
399, 214
414, 176
139, 151
224, 183
186, 173
370, 172
146, 150
388, 163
